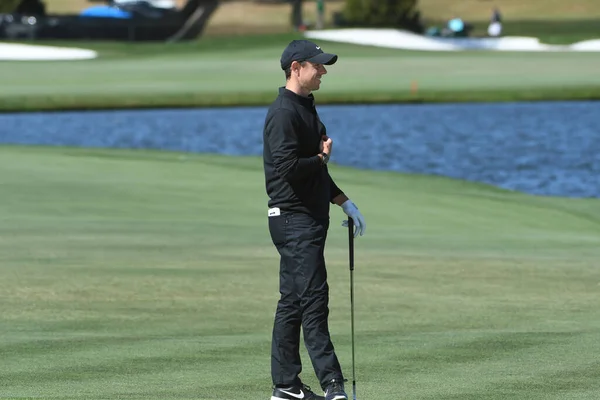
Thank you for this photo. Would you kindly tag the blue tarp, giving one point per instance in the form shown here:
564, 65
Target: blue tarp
105, 12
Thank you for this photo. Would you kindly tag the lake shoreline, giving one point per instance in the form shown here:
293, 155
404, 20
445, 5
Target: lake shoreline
261, 100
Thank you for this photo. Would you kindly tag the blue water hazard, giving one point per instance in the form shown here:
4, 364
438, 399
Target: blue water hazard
543, 148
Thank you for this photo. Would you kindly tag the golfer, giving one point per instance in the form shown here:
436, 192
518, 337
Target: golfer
300, 190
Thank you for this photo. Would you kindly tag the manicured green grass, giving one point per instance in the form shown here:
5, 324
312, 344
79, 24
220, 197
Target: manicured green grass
150, 275
245, 71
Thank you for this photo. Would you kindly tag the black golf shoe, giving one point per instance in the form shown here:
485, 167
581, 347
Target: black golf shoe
335, 390
295, 393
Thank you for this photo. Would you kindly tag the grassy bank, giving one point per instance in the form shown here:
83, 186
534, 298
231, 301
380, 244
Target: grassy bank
235, 63
245, 71
141, 275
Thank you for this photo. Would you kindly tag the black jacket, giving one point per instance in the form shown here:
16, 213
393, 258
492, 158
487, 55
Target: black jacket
296, 179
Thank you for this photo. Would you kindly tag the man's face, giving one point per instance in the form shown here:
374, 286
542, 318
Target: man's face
310, 75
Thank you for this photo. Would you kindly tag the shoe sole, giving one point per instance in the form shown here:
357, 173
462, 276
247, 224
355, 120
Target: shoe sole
281, 398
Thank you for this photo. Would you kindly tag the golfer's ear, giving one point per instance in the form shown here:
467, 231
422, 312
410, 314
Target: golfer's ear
295, 66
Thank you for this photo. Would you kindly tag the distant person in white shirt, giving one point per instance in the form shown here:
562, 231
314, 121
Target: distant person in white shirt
495, 27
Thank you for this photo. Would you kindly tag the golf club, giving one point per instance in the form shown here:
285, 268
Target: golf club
351, 254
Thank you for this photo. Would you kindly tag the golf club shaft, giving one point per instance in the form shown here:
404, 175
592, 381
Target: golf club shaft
351, 255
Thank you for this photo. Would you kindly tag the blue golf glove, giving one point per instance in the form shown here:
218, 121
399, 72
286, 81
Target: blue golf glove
350, 209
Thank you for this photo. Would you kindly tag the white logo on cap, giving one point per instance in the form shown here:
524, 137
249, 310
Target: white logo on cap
318, 48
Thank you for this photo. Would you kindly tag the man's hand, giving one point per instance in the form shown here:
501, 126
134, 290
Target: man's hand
325, 146
360, 226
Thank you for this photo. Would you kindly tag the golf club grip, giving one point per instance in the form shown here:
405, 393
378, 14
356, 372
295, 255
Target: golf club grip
351, 242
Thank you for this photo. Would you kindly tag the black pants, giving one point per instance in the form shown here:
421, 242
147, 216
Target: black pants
300, 241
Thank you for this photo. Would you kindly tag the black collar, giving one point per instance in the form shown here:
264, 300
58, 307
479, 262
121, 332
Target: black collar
308, 102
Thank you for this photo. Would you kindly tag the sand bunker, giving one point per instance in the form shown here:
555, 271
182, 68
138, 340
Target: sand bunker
22, 52
398, 39
587, 45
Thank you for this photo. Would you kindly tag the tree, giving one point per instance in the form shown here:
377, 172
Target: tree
382, 13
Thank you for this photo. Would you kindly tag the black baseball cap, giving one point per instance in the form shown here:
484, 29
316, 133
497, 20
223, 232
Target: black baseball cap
305, 50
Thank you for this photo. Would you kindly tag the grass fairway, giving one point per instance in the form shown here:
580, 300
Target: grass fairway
150, 275
245, 71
